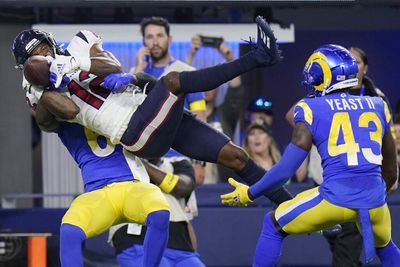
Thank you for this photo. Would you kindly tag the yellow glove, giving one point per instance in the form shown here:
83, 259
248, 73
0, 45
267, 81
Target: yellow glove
238, 197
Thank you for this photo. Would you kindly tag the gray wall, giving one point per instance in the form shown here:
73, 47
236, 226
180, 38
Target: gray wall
15, 124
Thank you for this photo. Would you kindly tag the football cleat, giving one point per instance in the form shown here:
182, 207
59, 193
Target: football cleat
266, 49
331, 232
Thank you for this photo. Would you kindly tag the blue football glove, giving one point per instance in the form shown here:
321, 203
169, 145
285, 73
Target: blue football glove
117, 81
53, 78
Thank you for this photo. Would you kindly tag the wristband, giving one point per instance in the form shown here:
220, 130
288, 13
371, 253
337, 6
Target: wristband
169, 182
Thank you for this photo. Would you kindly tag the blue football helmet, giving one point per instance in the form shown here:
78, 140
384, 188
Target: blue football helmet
27, 40
329, 68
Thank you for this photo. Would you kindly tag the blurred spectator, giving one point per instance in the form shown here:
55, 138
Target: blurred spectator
260, 144
224, 117
365, 84
260, 108
155, 59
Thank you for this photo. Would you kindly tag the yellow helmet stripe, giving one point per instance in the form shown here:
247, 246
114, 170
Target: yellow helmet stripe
322, 60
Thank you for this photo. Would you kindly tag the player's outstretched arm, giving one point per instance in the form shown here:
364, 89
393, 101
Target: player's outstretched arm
389, 162
294, 155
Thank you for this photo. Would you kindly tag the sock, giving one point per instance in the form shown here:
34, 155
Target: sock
71, 239
156, 237
210, 78
269, 245
252, 173
389, 255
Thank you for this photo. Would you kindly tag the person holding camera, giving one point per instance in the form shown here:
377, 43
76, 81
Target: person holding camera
225, 116
154, 58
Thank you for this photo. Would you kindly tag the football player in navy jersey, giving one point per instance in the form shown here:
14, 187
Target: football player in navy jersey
352, 135
148, 125
115, 182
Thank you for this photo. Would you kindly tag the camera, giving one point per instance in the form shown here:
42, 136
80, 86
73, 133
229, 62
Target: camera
211, 41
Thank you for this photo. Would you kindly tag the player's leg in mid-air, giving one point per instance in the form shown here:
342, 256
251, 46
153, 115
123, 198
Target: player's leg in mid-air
153, 128
200, 141
265, 52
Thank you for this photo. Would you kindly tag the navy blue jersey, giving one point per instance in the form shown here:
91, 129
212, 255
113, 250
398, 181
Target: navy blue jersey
347, 131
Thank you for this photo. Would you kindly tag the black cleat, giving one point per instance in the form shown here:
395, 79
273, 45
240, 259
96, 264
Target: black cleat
266, 49
331, 231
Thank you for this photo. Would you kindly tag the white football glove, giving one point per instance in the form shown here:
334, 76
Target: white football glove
62, 65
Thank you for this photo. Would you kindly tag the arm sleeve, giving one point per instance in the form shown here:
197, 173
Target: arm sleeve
281, 172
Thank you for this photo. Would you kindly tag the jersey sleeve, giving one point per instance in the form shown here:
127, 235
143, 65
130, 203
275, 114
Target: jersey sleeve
303, 113
82, 42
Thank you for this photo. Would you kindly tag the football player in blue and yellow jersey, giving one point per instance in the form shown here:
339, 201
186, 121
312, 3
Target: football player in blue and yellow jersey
352, 135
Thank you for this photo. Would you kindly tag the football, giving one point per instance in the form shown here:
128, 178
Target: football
36, 70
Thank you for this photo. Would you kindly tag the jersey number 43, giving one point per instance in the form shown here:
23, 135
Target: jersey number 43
341, 124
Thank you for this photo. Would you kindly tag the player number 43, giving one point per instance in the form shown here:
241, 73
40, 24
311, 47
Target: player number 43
341, 122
